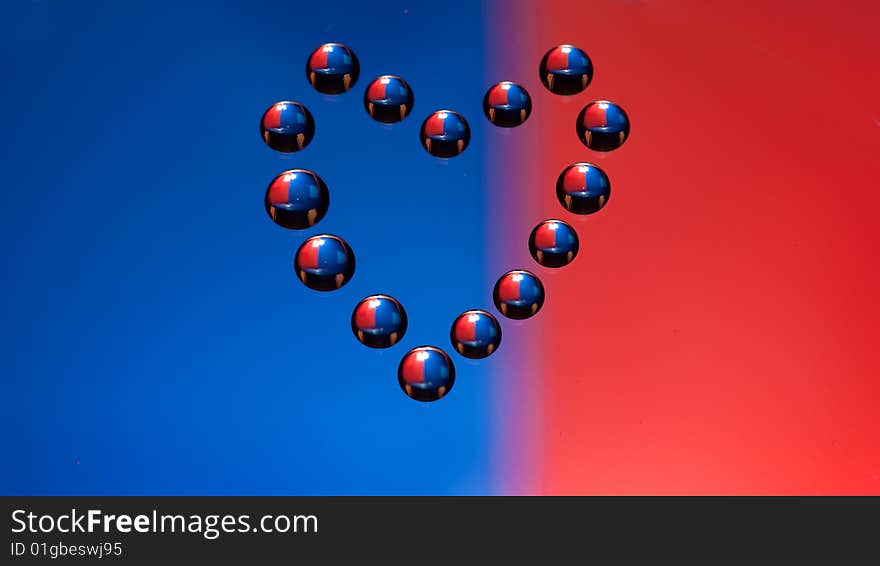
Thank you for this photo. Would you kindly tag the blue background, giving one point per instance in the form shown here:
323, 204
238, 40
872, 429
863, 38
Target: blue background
155, 338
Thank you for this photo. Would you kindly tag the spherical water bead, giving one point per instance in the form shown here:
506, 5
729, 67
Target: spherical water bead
445, 133
583, 188
388, 99
602, 126
379, 321
297, 199
475, 334
553, 243
332, 68
518, 294
426, 373
507, 104
324, 262
287, 126
566, 70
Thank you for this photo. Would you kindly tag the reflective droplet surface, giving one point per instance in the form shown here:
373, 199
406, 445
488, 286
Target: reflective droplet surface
518, 294
378, 321
388, 99
445, 133
475, 334
553, 243
297, 199
324, 262
583, 188
332, 68
507, 104
602, 126
426, 373
566, 70
287, 126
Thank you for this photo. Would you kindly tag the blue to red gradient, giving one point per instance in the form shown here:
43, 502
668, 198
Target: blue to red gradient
716, 333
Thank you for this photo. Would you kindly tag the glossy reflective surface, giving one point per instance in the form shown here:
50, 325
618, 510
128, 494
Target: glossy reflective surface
297, 199
332, 68
602, 126
566, 70
388, 99
583, 188
553, 243
445, 133
379, 321
287, 126
426, 373
507, 104
518, 294
475, 334
324, 262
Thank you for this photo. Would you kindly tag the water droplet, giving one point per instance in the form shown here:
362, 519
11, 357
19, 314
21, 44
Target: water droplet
324, 262
475, 334
378, 321
507, 104
332, 68
518, 294
553, 243
287, 126
583, 188
602, 126
426, 373
445, 133
297, 199
566, 70
388, 99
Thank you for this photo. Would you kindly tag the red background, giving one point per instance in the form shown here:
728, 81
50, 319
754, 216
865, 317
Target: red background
717, 332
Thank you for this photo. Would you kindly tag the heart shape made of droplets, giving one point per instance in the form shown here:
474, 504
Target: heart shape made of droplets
298, 198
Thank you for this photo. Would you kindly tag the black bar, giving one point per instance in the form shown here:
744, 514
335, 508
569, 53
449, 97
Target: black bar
371, 530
